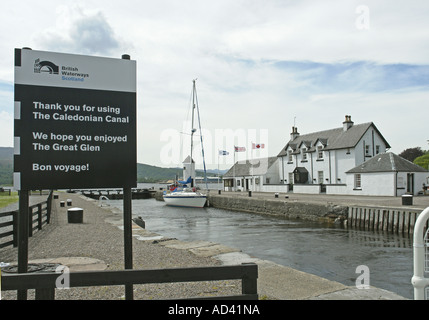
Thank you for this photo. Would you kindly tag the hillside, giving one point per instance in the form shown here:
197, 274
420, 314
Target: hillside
148, 173
145, 172
6, 166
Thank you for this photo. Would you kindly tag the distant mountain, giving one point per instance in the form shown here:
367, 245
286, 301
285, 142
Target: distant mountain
145, 172
148, 173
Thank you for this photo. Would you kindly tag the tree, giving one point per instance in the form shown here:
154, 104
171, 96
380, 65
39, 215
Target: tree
412, 153
423, 161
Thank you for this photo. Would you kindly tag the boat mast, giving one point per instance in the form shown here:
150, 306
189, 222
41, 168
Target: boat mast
201, 139
192, 128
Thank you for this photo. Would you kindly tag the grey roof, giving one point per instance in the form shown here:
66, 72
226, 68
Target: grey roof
188, 160
387, 162
333, 139
251, 167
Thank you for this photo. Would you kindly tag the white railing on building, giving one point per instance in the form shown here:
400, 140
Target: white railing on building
421, 257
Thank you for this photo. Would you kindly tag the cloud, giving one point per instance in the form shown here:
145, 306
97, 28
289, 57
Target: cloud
6, 96
259, 64
357, 76
325, 31
80, 32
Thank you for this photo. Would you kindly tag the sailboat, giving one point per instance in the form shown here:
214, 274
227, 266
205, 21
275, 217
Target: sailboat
185, 196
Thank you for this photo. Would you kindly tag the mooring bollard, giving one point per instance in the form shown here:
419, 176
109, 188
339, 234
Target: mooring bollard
407, 200
250, 193
75, 215
219, 191
276, 195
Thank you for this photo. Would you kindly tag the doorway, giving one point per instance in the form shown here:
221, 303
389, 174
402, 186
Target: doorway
410, 183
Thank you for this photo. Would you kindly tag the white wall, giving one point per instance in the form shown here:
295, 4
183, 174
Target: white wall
306, 188
275, 188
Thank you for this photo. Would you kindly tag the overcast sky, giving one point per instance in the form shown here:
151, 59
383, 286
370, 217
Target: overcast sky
262, 66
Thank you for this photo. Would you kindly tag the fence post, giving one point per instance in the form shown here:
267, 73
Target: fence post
49, 206
39, 216
249, 284
45, 294
23, 215
128, 240
15, 228
418, 280
30, 221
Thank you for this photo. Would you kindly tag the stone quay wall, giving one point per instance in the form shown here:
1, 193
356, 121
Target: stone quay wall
281, 208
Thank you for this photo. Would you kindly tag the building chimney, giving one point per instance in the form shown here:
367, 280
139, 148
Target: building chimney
294, 134
348, 123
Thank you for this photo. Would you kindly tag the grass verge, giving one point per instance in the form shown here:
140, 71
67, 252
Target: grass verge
6, 199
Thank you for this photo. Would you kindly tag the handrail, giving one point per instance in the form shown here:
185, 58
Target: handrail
43, 212
45, 283
418, 280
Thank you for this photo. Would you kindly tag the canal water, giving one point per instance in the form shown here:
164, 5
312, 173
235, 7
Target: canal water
331, 252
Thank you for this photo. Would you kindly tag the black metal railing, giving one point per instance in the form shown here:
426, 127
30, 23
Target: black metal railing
40, 215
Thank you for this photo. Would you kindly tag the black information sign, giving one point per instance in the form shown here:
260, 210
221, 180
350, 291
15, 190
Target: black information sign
75, 121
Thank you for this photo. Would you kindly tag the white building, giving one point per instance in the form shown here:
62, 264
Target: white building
314, 162
351, 159
188, 168
386, 174
252, 175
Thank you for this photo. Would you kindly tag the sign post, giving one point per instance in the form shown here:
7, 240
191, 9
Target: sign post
75, 127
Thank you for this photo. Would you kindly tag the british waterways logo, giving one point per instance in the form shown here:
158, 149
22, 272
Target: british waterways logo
45, 67
67, 73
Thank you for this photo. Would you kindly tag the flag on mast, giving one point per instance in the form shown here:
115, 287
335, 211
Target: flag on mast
239, 149
223, 153
258, 146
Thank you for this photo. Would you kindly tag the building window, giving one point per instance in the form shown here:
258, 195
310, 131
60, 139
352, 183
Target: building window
320, 177
304, 154
367, 150
358, 181
319, 153
290, 177
289, 154
377, 149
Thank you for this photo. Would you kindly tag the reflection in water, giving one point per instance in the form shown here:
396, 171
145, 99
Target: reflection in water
328, 251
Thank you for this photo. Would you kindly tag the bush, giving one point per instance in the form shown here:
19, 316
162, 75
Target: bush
422, 161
